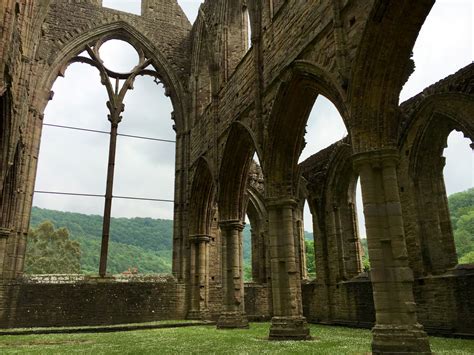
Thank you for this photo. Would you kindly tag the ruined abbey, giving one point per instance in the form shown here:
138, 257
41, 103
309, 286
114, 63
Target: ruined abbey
233, 99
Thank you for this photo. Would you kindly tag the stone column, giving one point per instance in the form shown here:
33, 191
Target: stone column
233, 314
340, 243
301, 246
354, 262
256, 259
288, 322
397, 329
199, 278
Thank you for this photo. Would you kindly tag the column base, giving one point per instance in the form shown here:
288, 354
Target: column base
289, 328
232, 320
393, 339
198, 315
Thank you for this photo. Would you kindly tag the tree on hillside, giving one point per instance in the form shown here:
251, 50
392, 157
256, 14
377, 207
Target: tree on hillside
460, 203
50, 251
464, 234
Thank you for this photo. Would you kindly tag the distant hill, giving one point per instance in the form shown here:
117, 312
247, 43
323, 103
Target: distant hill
144, 243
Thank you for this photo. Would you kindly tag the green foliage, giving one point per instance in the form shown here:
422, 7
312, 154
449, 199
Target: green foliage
247, 272
146, 233
365, 254
366, 263
208, 340
310, 259
460, 203
467, 258
50, 251
461, 209
143, 243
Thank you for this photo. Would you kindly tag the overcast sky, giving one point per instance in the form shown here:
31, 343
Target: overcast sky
74, 161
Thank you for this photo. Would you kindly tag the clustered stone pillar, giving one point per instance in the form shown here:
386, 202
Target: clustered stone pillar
396, 329
233, 314
288, 322
341, 255
300, 245
354, 260
199, 266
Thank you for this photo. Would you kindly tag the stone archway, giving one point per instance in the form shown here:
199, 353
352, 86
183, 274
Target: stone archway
294, 101
331, 194
236, 161
200, 220
426, 215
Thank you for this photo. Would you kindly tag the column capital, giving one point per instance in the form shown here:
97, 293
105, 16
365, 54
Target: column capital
200, 238
376, 158
279, 202
231, 224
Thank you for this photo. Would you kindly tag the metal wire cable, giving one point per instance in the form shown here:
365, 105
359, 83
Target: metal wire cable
94, 195
105, 132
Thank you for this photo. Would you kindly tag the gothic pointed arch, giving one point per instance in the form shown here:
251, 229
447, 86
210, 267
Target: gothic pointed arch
59, 58
202, 199
233, 175
301, 84
427, 121
382, 66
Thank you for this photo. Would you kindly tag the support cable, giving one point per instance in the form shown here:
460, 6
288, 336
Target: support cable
108, 133
94, 195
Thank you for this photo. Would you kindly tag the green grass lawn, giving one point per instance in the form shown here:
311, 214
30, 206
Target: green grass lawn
208, 340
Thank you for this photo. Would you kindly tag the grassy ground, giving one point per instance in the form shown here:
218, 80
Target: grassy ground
208, 340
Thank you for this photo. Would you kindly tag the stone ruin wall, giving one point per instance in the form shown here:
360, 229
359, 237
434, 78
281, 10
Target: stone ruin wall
289, 37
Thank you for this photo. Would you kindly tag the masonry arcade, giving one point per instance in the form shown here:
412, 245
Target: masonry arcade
234, 100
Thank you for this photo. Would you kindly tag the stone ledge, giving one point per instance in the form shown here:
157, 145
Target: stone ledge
108, 329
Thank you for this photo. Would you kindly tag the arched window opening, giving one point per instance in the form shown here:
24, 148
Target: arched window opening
119, 56
130, 6
360, 220
70, 161
256, 258
325, 127
436, 54
331, 188
309, 243
459, 182
139, 142
248, 27
144, 168
248, 240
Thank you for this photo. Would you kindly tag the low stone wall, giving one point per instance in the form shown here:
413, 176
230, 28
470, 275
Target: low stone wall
72, 300
445, 303
257, 302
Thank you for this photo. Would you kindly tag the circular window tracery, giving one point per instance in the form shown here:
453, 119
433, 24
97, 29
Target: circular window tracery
118, 56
